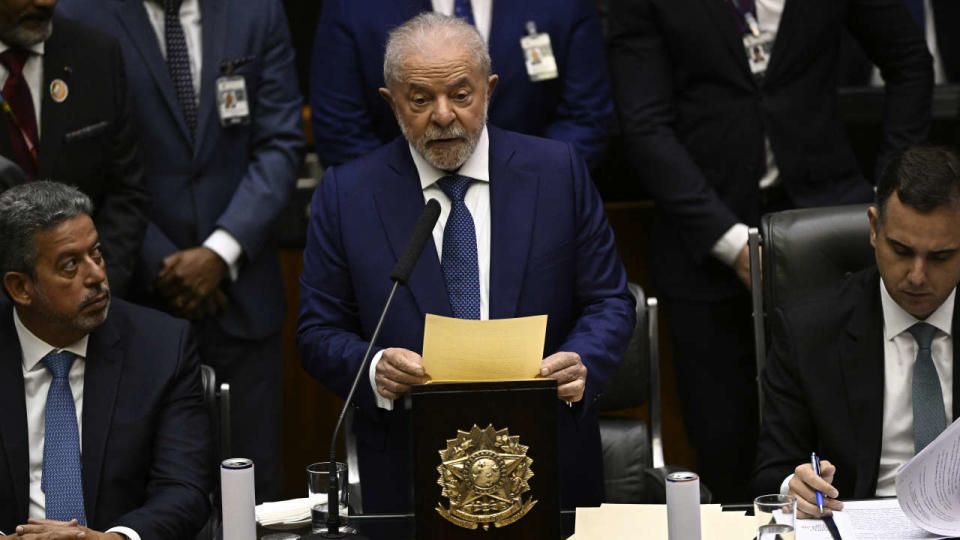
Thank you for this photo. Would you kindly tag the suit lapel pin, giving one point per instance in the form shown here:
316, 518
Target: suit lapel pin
59, 90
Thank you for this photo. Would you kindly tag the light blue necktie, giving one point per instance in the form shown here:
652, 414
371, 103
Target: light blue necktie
62, 482
459, 263
464, 10
929, 417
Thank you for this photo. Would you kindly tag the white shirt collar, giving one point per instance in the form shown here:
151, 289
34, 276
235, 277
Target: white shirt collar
34, 349
36, 48
477, 165
896, 320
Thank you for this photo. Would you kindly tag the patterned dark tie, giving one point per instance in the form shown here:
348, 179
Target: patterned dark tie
62, 481
23, 124
929, 416
740, 8
459, 263
464, 10
178, 61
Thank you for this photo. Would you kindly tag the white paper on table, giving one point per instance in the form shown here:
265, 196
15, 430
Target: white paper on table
880, 519
813, 529
928, 486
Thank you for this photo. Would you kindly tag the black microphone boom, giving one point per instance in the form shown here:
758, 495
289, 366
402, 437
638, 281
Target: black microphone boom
400, 274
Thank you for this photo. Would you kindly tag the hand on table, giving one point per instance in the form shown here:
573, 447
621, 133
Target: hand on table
571, 375
49, 529
397, 370
804, 485
188, 278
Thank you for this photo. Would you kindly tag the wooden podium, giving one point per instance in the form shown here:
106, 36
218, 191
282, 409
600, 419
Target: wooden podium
477, 447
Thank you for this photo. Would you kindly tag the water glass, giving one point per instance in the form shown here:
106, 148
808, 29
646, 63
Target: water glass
776, 516
318, 482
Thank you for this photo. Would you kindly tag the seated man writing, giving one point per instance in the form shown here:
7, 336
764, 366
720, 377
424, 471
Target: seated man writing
863, 374
102, 422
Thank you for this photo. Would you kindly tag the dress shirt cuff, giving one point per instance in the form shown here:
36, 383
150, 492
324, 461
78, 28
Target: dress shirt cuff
226, 246
126, 531
381, 401
785, 486
729, 246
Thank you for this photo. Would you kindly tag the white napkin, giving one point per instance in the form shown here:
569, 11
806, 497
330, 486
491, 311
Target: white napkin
272, 513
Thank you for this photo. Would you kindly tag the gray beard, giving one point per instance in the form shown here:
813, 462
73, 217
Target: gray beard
17, 36
452, 159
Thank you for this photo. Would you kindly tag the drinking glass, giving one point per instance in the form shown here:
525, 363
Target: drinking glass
318, 482
775, 516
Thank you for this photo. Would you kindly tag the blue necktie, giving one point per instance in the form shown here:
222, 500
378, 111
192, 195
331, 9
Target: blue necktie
740, 10
463, 10
459, 260
916, 9
929, 417
178, 61
62, 482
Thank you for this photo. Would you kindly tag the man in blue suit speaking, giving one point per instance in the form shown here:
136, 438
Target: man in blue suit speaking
521, 232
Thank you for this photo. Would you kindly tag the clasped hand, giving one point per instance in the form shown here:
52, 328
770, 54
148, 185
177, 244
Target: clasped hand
49, 529
398, 369
805, 484
189, 283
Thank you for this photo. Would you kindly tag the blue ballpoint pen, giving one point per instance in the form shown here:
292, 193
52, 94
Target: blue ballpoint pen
815, 462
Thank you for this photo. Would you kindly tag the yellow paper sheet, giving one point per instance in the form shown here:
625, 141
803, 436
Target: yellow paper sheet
470, 350
631, 521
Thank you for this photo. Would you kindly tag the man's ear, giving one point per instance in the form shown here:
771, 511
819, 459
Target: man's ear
874, 216
491, 84
19, 286
388, 97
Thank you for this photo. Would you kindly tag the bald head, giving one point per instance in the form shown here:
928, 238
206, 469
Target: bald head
432, 32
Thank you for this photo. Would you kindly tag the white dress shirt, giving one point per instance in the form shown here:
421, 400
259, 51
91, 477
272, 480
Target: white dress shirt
32, 73
482, 13
732, 242
899, 357
36, 384
477, 200
220, 241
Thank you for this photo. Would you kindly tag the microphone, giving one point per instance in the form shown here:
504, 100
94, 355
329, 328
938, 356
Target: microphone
400, 274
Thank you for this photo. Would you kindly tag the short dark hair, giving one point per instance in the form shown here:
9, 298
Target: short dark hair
27, 209
923, 177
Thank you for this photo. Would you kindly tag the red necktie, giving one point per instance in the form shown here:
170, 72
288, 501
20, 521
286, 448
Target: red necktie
21, 120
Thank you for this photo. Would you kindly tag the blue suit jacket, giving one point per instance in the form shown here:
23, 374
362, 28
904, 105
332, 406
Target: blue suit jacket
145, 437
350, 119
552, 251
237, 178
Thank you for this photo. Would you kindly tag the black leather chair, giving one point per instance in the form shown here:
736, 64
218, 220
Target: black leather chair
217, 402
633, 465
802, 251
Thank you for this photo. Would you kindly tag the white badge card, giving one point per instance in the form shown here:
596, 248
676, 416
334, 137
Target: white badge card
538, 56
758, 49
232, 103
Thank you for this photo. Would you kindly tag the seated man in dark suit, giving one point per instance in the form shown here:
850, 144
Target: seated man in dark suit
526, 235
103, 424
865, 374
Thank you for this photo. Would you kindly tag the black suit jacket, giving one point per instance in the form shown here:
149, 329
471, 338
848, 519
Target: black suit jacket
145, 437
694, 119
823, 387
89, 140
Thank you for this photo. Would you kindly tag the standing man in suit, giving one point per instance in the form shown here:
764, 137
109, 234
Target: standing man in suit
570, 103
728, 110
103, 422
526, 235
217, 99
866, 374
68, 117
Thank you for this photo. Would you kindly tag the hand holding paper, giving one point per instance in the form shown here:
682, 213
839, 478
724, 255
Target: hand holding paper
571, 375
397, 370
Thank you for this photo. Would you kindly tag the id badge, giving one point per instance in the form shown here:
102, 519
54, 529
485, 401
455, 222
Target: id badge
538, 55
758, 49
232, 103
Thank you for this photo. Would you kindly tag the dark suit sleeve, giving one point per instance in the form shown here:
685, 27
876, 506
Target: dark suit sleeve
329, 328
788, 433
264, 190
892, 40
342, 122
607, 310
179, 480
644, 95
121, 219
583, 114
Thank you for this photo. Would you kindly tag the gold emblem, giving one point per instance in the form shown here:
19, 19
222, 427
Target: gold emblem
59, 90
484, 473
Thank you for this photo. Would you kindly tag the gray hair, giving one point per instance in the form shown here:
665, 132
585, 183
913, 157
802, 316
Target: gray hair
29, 208
429, 27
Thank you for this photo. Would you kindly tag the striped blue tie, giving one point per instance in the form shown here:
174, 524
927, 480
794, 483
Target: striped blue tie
178, 61
459, 263
464, 10
62, 482
929, 416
